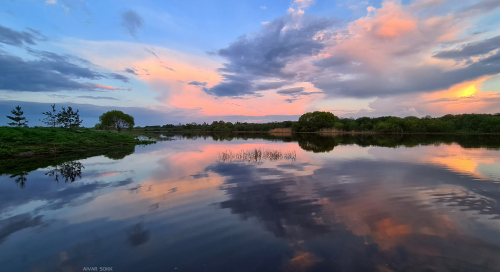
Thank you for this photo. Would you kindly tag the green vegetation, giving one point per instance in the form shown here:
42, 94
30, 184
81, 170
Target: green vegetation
69, 118
462, 123
66, 118
218, 126
315, 121
28, 141
115, 119
327, 122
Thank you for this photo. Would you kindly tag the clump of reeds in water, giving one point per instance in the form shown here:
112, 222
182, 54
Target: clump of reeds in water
256, 155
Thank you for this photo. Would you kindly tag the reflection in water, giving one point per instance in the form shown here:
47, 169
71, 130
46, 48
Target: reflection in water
68, 170
340, 203
20, 179
137, 235
256, 155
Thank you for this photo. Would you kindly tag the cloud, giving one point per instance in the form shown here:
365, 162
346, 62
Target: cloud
50, 72
291, 91
51, 2
197, 83
470, 49
37, 76
103, 87
303, 3
266, 54
17, 38
117, 76
479, 8
11, 225
97, 97
130, 71
263, 7
132, 22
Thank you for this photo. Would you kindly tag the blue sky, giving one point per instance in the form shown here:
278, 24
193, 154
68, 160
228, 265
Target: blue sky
256, 61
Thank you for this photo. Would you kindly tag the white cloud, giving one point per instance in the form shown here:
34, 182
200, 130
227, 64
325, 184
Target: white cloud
51, 2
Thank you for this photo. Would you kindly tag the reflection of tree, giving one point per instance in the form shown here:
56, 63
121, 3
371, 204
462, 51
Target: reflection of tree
137, 235
121, 153
317, 143
20, 178
68, 170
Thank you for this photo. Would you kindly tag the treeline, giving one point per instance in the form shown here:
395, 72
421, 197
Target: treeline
221, 126
327, 122
470, 123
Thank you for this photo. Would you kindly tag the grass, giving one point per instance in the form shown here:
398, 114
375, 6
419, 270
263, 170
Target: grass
256, 155
16, 141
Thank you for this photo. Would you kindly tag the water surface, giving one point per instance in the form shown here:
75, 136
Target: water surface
311, 203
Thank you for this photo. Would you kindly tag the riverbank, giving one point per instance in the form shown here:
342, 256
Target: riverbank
15, 142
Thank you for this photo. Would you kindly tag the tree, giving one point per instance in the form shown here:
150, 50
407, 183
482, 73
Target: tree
69, 118
314, 121
18, 119
117, 119
51, 117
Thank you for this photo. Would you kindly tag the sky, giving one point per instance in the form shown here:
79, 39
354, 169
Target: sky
249, 60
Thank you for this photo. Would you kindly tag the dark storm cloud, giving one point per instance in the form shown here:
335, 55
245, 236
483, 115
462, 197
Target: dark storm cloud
132, 22
18, 38
471, 49
406, 80
265, 55
197, 83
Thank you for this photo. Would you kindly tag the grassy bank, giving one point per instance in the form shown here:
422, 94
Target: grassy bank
28, 141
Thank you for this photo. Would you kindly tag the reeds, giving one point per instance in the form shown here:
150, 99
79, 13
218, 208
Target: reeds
256, 155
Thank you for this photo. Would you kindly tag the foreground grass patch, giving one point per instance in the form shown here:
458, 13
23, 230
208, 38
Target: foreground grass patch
27, 141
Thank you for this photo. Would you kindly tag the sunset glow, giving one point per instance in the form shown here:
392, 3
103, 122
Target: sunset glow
246, 61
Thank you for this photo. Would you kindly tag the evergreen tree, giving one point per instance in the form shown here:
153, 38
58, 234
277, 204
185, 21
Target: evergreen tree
18, 119
69, 118
51, 119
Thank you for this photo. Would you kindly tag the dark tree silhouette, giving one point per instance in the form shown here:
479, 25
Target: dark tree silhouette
69, 118
18, 119
51, 117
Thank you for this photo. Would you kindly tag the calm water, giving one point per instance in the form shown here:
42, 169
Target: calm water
302, 204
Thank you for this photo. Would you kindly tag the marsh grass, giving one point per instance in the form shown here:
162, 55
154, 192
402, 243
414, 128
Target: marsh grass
256, 155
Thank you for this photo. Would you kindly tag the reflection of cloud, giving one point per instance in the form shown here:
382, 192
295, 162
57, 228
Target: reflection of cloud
16, 223
253, 195
137, 235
